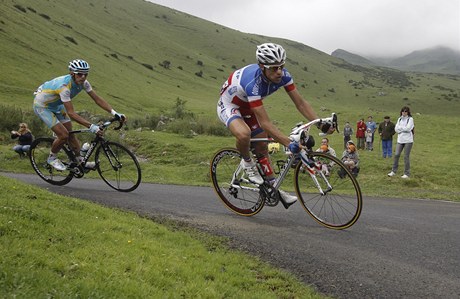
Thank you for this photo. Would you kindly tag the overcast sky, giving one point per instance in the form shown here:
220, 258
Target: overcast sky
365, 27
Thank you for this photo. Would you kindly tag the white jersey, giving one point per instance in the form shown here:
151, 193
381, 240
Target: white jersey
59, 90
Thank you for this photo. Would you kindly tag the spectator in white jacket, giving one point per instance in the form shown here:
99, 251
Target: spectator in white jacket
405, 129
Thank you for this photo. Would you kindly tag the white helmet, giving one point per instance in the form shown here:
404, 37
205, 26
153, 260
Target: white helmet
79, 66
270, 53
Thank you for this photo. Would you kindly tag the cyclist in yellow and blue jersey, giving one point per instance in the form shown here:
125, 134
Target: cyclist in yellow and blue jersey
53, 104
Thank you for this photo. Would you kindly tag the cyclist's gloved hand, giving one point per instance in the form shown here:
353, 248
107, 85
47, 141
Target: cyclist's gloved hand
294, 147
324, 126
119, 116
94, 129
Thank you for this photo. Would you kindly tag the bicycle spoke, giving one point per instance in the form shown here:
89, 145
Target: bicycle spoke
237, 193
118, 167
340, 206
39, 152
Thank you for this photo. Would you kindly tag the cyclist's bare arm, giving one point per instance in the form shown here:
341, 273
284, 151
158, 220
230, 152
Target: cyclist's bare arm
75, 116
103, 103
269, 127
100, 101
302, 105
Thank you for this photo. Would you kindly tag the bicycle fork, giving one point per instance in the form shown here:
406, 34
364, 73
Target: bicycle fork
312, 169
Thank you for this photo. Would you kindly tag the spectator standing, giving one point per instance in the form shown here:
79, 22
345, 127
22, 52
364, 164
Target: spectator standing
347, 132
386, 132
370, 124
360, 133
25, 138
404, 127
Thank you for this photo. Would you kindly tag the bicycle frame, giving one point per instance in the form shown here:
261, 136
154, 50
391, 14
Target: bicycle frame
297, 132
287, 167
78, 168
116, 165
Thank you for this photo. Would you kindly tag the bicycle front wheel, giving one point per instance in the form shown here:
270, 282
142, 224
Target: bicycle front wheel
329, 192
39, 152
118, 166
237, 194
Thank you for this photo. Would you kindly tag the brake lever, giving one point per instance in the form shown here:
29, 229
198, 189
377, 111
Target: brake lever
120, 123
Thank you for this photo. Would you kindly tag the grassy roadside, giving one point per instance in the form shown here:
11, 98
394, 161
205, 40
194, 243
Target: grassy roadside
169, 158
55, 246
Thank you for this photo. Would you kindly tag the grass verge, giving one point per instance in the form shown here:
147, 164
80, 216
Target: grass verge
56, 246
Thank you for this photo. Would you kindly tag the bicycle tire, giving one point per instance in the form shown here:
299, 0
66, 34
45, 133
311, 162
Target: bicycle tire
241, 201
338, 208
118, 167
39, 152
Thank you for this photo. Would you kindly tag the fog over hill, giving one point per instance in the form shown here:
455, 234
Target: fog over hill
441, 60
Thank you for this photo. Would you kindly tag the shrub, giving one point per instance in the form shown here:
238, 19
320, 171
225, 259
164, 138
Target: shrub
45, 16
148, 66
21, 8
165, 64
71, 39
11, 116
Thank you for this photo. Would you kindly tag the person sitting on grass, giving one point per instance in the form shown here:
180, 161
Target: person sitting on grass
350, 158
25, 138
325, 148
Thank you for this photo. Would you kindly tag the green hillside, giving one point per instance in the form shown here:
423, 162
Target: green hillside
145, 56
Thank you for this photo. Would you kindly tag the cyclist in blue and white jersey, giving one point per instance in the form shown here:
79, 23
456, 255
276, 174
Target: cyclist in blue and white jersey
241, 109
53, 104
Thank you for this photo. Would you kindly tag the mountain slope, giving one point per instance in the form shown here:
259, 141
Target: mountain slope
352, 58
440, 60
437, 60
145, 56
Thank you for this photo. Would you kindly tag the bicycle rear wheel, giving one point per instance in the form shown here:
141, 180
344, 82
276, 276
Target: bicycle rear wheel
237, 194
118, 166
39, 152
341, 204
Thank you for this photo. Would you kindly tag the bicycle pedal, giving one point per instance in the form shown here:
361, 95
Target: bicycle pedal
285, 204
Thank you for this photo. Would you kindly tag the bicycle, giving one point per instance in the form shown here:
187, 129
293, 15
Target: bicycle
325, 187
116, 165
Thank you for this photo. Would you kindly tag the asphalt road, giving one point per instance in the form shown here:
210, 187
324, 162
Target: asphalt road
399, 248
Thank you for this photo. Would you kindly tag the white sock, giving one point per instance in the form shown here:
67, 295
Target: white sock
248, 164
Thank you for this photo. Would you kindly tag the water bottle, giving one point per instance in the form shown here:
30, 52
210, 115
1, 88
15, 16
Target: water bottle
84, 149
266, 167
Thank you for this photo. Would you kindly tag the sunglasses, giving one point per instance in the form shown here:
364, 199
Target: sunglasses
274, 68
81, 74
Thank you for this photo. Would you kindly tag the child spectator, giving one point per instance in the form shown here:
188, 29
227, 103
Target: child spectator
325, 148
350, 158
369, 142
